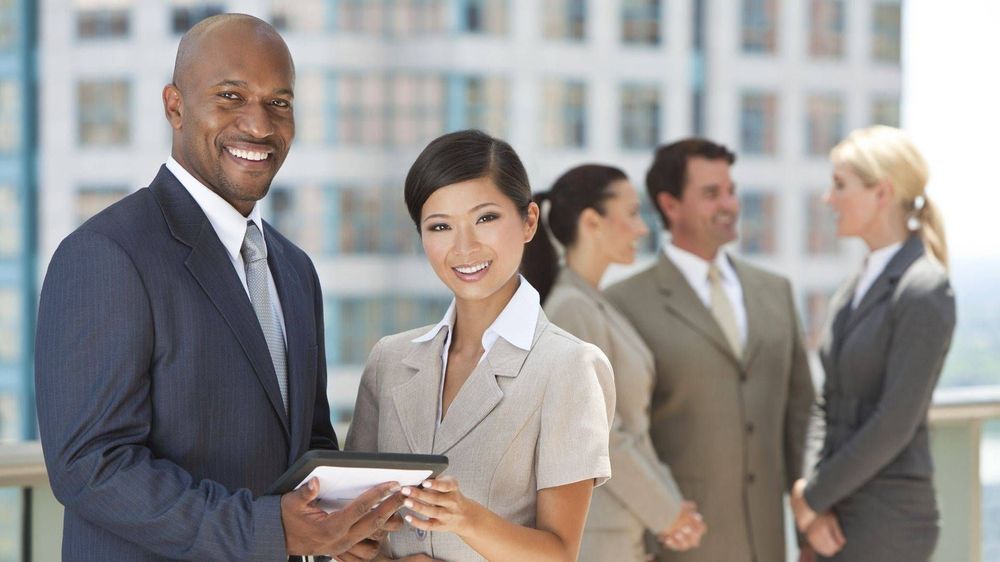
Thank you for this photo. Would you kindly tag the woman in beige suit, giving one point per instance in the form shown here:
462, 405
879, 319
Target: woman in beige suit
521, 408
593, 212
871, 497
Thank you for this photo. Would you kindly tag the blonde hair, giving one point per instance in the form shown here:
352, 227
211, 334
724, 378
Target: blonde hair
885, 153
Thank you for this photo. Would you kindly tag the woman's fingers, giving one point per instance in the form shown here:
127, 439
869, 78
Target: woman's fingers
430, 496
443, 484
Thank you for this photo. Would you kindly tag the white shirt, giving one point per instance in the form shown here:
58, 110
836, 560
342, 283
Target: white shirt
231, 227
874, 266
516, 324
695, 270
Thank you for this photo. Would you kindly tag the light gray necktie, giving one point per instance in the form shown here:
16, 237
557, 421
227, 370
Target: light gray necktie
255, 260
722, 310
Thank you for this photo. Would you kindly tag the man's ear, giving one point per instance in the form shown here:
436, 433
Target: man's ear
668, 205
173, 105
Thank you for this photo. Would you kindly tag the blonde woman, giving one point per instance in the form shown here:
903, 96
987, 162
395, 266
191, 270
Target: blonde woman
871, 496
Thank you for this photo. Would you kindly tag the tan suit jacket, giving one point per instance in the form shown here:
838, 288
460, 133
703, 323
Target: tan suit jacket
732, 429
643, 494
522, 422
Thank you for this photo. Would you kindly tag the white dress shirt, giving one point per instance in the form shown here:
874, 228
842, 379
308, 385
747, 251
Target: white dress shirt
231, 227
874, 266
695, 270
516, 324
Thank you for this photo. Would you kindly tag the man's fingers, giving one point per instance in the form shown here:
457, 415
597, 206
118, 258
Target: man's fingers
363, 504
376, 519
304, 495
364, 550
838, 533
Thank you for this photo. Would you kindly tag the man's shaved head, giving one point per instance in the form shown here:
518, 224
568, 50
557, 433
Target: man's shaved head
192, 45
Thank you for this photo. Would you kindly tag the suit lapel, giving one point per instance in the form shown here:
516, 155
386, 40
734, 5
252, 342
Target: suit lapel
416, 400
885, 284
754, 301
291, 291
211, 267
682, 302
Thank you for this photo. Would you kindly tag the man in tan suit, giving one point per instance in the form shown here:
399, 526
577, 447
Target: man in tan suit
733, 392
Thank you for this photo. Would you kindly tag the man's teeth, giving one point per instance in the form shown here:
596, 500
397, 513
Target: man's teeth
247, 154
473, 268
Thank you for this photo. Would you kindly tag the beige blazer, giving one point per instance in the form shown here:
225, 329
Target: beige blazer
732, 429
643, 494
522, 422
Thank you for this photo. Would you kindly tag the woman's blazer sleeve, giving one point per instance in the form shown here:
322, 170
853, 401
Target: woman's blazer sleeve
644, 486
363, 433
923, 318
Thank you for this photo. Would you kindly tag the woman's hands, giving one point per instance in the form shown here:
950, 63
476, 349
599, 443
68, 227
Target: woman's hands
686, 531
822, 530
443, 505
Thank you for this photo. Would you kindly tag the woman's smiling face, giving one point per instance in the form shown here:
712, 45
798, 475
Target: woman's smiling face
474, 236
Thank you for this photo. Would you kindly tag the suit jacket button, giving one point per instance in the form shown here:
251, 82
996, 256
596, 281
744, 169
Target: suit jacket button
750, 427
743, 377
751, 478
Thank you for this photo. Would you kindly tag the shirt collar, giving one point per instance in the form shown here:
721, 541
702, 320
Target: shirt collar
878, 259
229, 224
516, 322
696, 267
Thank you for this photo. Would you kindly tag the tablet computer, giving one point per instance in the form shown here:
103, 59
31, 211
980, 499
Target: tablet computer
344, 476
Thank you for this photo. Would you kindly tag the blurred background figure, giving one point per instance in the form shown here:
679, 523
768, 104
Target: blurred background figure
733, 391
872, 495
592, 213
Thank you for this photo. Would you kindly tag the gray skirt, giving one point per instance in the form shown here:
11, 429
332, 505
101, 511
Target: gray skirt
888, 520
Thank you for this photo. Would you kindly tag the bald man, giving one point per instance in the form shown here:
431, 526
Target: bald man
180, 366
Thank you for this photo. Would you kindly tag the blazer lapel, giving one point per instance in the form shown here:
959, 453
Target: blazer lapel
416, 400
885, 284
682, 301
290, 292
211, 267
481, 394
755, 300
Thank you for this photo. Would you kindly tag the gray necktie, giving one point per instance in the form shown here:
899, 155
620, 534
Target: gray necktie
722, 310
255, 260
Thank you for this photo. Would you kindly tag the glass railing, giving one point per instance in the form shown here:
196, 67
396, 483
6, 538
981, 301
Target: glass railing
965, 441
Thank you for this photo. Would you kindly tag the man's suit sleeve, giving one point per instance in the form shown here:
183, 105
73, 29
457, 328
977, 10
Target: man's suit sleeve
94, 350
801, 400
323, 436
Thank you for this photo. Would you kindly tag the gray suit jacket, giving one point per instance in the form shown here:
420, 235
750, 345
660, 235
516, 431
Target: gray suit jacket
732, 429
882, 362
523, 421
643, 494
159, 410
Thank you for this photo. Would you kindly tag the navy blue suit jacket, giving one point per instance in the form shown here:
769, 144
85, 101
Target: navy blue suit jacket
158, 406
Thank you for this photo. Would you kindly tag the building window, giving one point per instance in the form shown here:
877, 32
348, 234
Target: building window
565, 120
640, 116
103, 112
186, 13
760, 26
478, 102
102, 19
885, 110
358, 322
10, 116
821, 227
374, 220
758, 222
824, 123
758, 123
403, 109
565, 19
93, 200
299, 15
886, 24
10, 223
10, 325
815, 311
826, 28
400, 18
8, 24
306, 215
641, 22
311, 128
482, 16
654, 223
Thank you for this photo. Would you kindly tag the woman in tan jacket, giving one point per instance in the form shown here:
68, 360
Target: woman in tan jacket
593, 212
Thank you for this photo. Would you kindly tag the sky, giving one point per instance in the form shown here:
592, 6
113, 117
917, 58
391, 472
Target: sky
951, 107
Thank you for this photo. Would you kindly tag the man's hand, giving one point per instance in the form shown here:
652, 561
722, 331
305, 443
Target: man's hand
686, 531
804, 515
825, 535
309, 530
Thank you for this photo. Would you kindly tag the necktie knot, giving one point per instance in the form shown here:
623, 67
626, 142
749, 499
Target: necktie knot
714, 275
253, 248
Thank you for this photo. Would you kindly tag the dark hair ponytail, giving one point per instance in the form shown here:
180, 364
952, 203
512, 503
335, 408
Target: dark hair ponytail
583, 187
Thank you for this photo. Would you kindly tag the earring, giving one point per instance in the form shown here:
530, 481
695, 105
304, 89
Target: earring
913, 224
